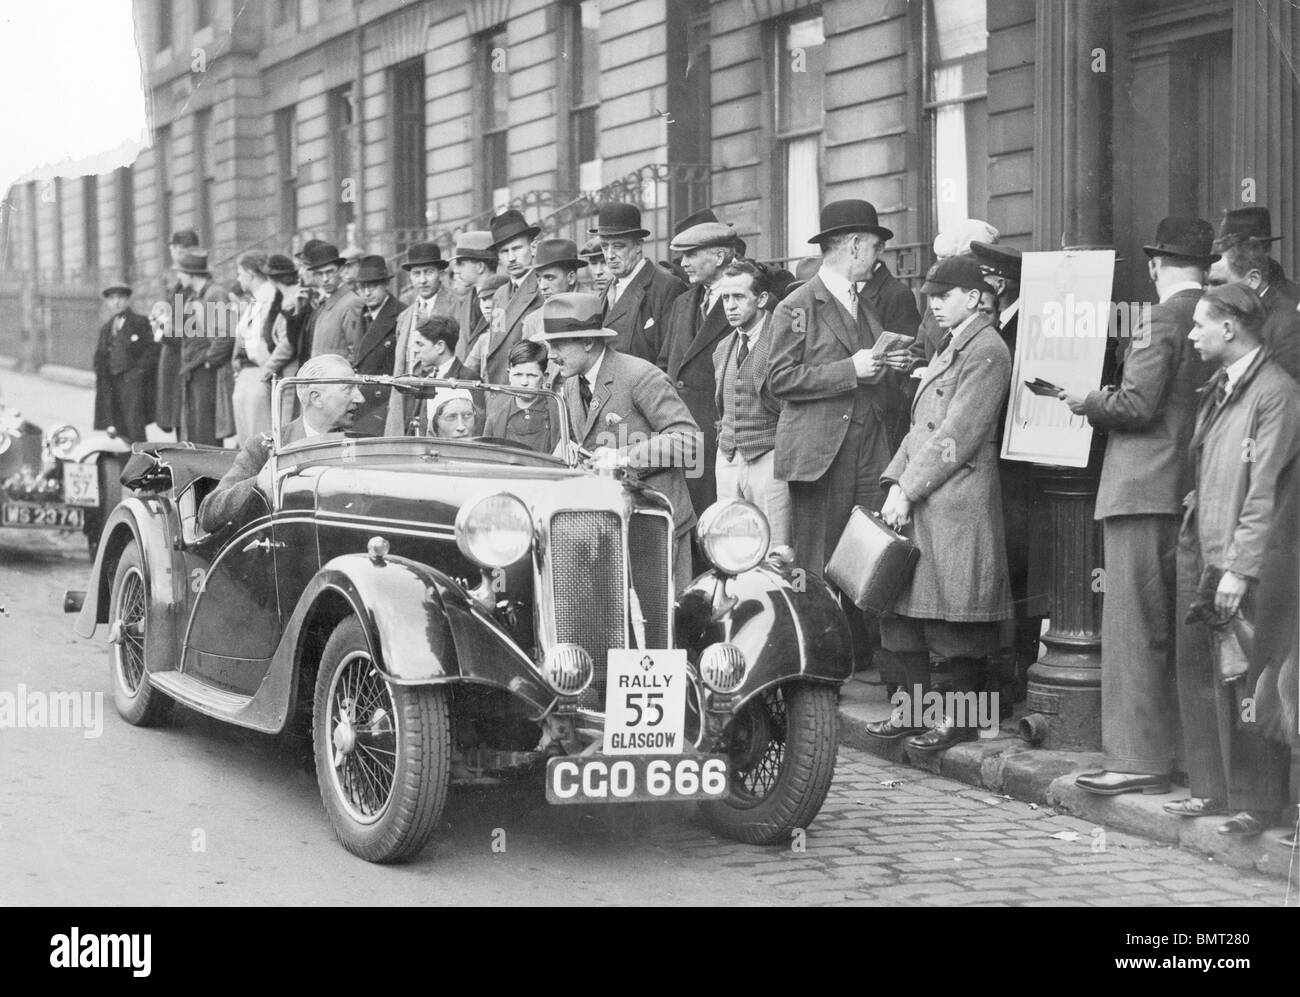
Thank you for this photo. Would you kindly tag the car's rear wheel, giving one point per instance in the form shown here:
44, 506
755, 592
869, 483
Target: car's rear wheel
136, 700
781, 748
383, 751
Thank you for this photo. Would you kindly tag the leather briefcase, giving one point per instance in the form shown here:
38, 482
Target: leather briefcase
872, 562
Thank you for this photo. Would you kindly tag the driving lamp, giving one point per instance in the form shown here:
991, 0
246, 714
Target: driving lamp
568, 669
62, 440
734, 535
722, 667
494, 531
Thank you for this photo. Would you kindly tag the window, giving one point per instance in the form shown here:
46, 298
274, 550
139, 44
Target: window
202, 14
286, 155
582, 48
690, 138
308, 13
958, 111
90, 221
204, 174
800, 54
341, 138
407, 152
163, 165
163, 39
286, 12
494, 84
56, 187
124, 181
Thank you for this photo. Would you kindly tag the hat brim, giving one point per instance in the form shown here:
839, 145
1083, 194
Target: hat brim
195, 273
549, 337
113, 289
1179, 253
605, 233
934, 287
475, 255
879, 230
531, 232
440, 264
570, 264
338, 261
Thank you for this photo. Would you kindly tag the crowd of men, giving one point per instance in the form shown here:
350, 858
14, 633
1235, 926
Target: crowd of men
722, 377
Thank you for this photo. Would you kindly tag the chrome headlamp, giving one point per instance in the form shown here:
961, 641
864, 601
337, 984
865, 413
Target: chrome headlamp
734, 535
494, 531
62, 440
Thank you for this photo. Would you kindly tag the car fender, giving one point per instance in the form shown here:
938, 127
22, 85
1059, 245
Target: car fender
146, 520
97, 443
423, 628
789, 626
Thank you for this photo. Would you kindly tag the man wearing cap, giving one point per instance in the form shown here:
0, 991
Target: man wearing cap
696, 324
943, 492
289, 325
1244, 260
473, 261
337, 324
639, 294
831, 444
513, 239
167, 380
1148, 418
125, 359
377, 348
207, 380
624, 410
425, 264
1255, 222
699, 218
595, 257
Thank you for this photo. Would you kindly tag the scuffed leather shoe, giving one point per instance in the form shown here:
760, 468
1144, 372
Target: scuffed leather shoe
887, 730
942, 737
1114, 783
1244, 825
1196, 806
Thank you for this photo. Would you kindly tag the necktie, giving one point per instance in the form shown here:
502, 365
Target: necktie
584, 392
853, 300
705, 302
743, 351
943, 343
1221, 392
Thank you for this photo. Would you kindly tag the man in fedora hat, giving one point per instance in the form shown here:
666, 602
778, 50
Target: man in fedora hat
1255, 222
555, 266
831, 442
425, 265
377, 349
696, 323
1245, 260
624, 410
514, 240
639, 294
473, 261
207, 380
1148, 418
125, 359
336, 326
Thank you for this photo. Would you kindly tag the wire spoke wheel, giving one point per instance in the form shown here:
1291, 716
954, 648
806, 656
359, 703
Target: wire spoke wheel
136, 700
781, 751
383, 751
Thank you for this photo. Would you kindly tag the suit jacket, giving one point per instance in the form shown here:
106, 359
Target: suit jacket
337, 325
137, 355
445, 303
375, 355
686, 353
813, 342
507, 330
403, 409
640, 314
948, 466
760, 368
472, 323
635, 410
1149, 417
1282, 329
236, 498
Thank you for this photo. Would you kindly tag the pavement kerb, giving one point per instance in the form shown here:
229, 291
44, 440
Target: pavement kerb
1006, 766
74, 377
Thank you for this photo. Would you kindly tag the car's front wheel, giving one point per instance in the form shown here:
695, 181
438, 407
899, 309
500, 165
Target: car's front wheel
781, 747
136, 700
383, 751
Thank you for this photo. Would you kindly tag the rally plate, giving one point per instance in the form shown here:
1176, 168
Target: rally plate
636, 778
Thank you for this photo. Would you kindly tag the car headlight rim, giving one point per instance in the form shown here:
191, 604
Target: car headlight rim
62, 440
735, 536
494, 531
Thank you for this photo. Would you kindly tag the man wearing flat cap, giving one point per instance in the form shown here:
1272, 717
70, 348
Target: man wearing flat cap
125, 359
513, 239
377, 349
639, 294
696, 323
624, 411
336, 324
831, 442
1148, 418
598, 276
473, 261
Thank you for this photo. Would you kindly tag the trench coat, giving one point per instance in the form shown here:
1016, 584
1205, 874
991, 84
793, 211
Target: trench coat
1242, 515
207, 412
947, 465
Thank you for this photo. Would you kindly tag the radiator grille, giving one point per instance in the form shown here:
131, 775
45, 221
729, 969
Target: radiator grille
587, 580
649, 541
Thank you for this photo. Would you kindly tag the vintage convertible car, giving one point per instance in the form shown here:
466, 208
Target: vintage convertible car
452, 610
56, 480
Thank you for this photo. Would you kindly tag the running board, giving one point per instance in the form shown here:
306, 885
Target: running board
199, 695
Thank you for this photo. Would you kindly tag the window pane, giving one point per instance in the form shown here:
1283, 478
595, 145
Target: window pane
585, 56
960, 28
800, 75
498, 163
584, 136
802, 192
202, 13
164, 25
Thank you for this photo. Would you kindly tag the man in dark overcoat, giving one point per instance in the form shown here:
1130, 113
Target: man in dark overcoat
639, 294
125, 360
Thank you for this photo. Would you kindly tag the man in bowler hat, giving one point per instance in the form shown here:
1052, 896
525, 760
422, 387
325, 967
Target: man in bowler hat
377, 348
425, 265
125, 359
513, 240
336, 325
639, 294
1148, 418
